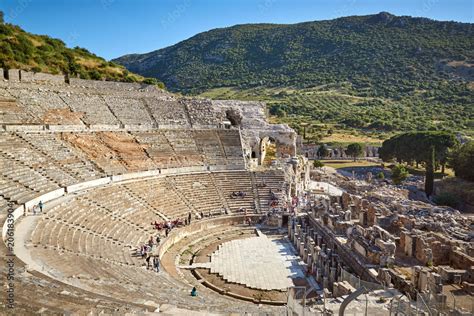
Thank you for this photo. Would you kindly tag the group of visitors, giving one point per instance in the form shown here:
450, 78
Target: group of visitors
168, 224
153, 262
36, 208
148, 247
238, 194
146, 252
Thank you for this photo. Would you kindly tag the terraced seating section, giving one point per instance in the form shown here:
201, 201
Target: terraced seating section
95, 110
120, 215
232, 145
171, 113
26, 173
209, 143
229, 182
133, 283
129, 111
34, 163
160, 197
60, 154
89, 238
47, 155
202, 113
200, 191
171, 148
40, 103
113, 152
11, 112
266, 181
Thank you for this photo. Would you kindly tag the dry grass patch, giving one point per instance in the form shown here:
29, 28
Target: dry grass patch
338, 164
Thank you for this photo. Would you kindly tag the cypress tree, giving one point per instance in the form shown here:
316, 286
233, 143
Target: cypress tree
429, 180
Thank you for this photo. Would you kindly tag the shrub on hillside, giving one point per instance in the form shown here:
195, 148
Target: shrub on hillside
399, 174
462, 161
318, 164
446, 199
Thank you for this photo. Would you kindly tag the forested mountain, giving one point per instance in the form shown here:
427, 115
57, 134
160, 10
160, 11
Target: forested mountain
41, 53
386, 61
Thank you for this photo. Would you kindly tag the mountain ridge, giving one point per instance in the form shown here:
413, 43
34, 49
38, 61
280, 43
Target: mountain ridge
153, 63
408, 73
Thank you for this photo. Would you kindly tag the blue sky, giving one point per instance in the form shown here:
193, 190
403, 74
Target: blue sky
111, 28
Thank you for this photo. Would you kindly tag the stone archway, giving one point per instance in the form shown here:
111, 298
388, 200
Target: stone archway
267, 149
278, 145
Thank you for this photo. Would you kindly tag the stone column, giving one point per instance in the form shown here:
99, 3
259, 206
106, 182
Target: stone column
309, 260
332, 275
325, 282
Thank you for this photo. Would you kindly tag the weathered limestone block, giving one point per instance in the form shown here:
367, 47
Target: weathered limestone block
13, 75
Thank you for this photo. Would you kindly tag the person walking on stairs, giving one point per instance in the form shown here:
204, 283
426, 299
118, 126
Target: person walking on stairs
148, 262
156, 263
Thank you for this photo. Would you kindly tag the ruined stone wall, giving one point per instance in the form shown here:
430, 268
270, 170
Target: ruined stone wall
38, 77
460, 260
255, 127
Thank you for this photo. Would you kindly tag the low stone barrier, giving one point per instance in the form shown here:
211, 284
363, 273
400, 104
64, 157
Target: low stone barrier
136, 175
45, 198
88, 184
11, 219
24, 128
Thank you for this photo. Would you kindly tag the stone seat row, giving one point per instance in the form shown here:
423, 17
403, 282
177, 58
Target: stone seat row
35, 103
267, 181
121, 214
46, 161
131, 283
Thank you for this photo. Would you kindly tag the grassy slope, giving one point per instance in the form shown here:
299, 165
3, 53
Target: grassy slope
41, 53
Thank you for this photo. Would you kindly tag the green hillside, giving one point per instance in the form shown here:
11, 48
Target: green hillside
41, 53
400, 73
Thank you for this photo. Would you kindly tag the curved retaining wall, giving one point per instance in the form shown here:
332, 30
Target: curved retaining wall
12, 217
176, 236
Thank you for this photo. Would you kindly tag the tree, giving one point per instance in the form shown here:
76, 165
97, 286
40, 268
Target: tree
399, 174
1, 17
462, 161
355, 150
429, 147
318, 164
429, 175
322, 152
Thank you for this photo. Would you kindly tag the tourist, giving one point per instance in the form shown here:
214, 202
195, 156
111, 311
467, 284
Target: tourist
167, 231
189, 217
202, 215
40, 205
156, 263
158, 239
148, 261
194, 292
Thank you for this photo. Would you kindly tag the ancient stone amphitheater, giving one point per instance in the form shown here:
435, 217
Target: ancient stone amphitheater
107, 159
